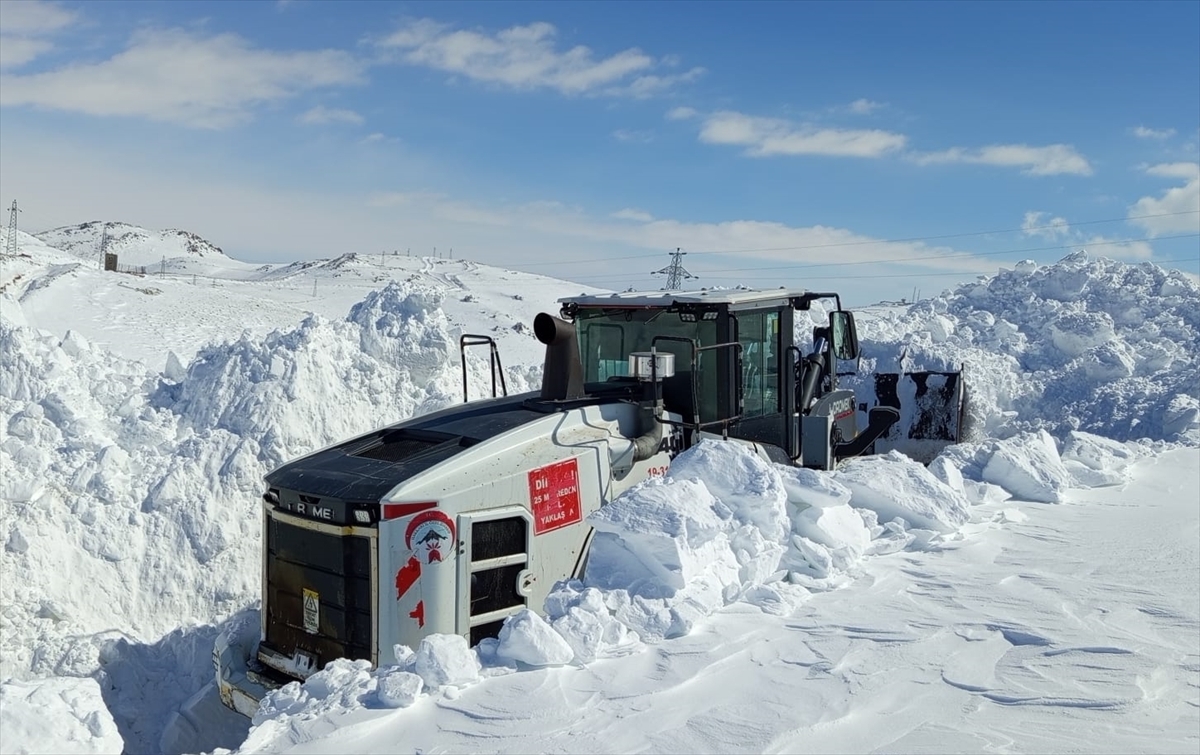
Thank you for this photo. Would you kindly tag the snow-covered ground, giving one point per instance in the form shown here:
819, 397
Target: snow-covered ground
1036, 589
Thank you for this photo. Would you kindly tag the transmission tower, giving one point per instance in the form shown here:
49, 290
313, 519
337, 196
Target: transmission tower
10, 246
103, 245
675, 272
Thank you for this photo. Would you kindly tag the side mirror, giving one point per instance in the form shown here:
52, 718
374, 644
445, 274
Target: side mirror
843, 335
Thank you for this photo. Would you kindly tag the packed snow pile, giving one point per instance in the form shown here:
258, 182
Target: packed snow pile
64, 716
323, 381
131, 244
1107, 347
120, 483
722, 526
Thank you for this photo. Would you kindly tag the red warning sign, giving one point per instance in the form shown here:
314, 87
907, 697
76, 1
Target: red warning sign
554, 496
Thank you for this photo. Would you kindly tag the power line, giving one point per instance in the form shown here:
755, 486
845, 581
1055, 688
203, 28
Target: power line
905, 260
957, 255
909, 239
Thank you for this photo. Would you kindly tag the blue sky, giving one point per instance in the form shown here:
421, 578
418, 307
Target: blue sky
871, 148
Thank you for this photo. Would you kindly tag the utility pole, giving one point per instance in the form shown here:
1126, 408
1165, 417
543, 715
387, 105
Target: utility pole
10, 246
675, 272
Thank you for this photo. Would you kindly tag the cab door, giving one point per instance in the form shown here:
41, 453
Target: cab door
764, 367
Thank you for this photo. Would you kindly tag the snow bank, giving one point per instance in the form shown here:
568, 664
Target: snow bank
1029, 466
59, 715
120, 483
1096, 345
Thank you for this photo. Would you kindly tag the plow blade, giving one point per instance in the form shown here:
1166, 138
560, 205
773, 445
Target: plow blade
932, 408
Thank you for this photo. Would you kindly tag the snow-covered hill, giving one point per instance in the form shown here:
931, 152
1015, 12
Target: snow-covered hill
140, 414
132, 245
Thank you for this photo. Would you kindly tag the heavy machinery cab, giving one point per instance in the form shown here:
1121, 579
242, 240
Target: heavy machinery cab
737, 369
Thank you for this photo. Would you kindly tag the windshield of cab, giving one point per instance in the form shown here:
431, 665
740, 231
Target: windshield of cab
607, 337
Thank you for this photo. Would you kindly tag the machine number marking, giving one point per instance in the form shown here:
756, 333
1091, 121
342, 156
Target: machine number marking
312, 611
657, 471
554, 496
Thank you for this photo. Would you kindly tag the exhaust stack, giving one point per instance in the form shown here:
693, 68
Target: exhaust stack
562, 375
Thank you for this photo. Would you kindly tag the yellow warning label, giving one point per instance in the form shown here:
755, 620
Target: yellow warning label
312, 611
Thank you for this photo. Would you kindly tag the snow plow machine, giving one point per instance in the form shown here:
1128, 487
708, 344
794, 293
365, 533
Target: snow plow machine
453, 521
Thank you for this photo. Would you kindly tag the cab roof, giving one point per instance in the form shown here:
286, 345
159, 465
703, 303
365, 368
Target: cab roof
666, 299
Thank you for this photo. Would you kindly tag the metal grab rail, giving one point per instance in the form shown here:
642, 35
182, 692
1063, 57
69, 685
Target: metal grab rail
476, 340
694, 362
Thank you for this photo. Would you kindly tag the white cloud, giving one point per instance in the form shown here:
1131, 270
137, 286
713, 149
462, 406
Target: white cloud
1051, 160
629, 213
1186, 171
1177, 209
1119, 249
763, 137
176, 77
632, 136
681, 113
17, 51
33, 17
526, 57
22, 26
863, 106
1142, 132
644, 87
1053, 229
320, 115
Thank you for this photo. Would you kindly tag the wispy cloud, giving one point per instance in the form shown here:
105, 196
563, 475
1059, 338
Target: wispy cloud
755, 247
681, 113
1051, 160
863, 106
24, 26
1038, 225
1178, 208
1056, 230
33, 17
1119, 249
633, 136
1186, 171
629, 213
321, 115
1142, 132
527, 57
764, 137
177, 77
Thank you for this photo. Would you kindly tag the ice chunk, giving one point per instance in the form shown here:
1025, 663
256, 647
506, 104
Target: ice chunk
894, 485
398, 688
527, 638
445, 660
1029, 467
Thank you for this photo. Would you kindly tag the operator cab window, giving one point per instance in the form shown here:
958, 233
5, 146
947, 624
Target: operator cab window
608, 336
758, 333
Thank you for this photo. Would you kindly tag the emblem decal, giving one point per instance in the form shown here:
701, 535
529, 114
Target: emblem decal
430, 539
